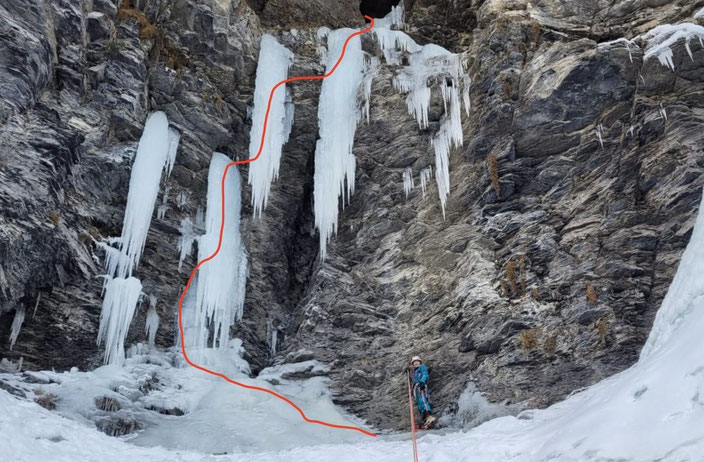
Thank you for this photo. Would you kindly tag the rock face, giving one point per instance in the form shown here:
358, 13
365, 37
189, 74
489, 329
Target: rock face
571, 201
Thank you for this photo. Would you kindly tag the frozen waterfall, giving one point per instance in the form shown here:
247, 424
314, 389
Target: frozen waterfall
338, 114
156, 153
274, 62
221, 281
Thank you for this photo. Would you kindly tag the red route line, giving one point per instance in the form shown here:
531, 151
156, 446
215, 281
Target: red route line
222, 228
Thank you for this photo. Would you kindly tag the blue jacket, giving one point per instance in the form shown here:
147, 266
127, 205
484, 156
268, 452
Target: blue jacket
420, 374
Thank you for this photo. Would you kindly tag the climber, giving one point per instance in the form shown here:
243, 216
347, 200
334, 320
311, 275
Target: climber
419, 377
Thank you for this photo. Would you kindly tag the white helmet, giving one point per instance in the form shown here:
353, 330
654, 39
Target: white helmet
416, 358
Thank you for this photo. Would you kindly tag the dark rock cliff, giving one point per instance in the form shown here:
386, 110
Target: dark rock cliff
544, 276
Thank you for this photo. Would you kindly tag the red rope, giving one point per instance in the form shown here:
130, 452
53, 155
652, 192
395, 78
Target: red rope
413, 420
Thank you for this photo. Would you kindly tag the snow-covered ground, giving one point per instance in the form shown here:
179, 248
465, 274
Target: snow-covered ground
651, 411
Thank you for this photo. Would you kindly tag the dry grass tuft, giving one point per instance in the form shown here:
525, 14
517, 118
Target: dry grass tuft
173, 57
601, 329
504, 288
510, 272
529, 339
125, 12
507, 89
535, 32
494, 173
54, 217
550, 345
105, 403
45, 400
591, 294
522, 268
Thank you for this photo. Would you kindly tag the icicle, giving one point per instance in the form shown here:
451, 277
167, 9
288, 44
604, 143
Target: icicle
338, 115
174, 138
625, 41
392, 42
428, 64
185, 244
272, 335
662, 112
443, 143
221, 282
699, 14
152, 158
661, 39
119, 304
425, 175
152, 323
188, 317
36, 305
164, 206
274, 62
599, 129
408, 181
17, 322
181, 199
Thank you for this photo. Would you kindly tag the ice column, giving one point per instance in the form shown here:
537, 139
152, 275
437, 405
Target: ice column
152, 324
338, 114
155, 153
221, 281
425, 175
274, 62
119, 304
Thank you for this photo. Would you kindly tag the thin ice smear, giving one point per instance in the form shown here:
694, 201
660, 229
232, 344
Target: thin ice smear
17, 322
